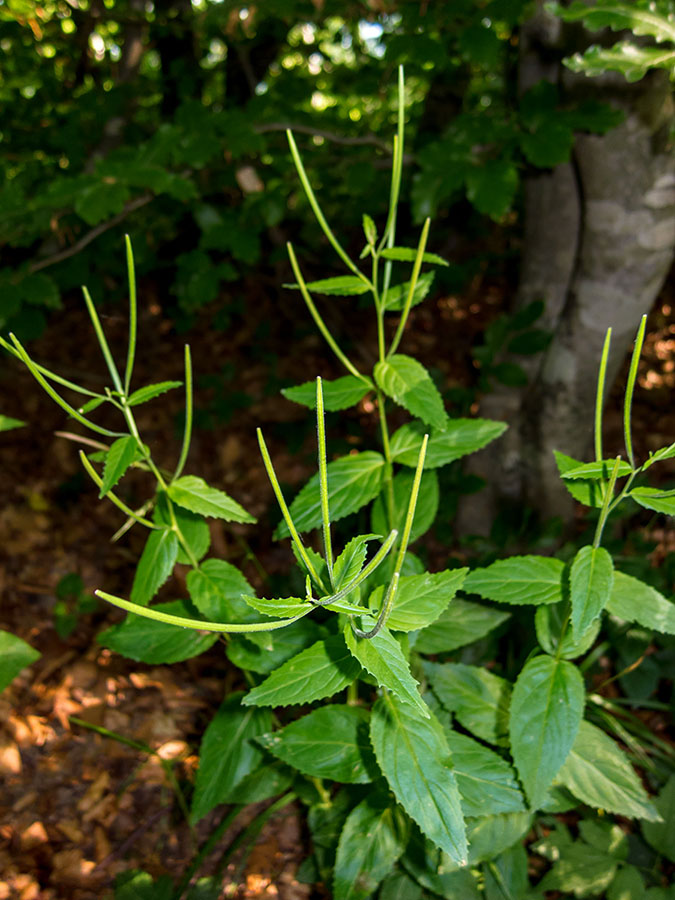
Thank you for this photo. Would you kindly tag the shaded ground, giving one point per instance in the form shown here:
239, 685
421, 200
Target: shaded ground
77, 808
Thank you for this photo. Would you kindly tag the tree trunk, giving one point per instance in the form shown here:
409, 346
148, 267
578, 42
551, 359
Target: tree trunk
599, 238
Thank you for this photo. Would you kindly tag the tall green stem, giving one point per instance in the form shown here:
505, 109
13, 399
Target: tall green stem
630, 386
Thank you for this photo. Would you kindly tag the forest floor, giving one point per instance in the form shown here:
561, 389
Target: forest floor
77, 808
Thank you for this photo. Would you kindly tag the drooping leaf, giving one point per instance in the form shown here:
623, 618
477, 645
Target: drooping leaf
549, 622
382, 656
599, 774
462, 623
519, 580
591, 578
414, 756
155, 565
661, 835
461, 436
227, 753
353, 481
194, 493
485, 780
342, 393
588, 492
330, 742
546, 709
425, 510
15, 655
659, 501
396, 297
373, 838
420, 599
479, 699
350, 562
409, 254
149, 641
409, 384
634, 601
317, 672
340, 286
118, 459
216, 589
150, 391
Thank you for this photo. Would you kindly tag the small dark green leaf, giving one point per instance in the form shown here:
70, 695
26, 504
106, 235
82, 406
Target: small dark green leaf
216, 589
319, 671
479, 699
462, 623
155, 565
546, 709
519, 580
661, 835
382, 656
331, 742
409, 254
227, 753
373, 838
15, 655
353, 481
510, 374
491, 186
530, 342
591, 578
342, 393
549, 622
268, 780
461, 436
137, 885
119, 457
149, 641
485, 780
420, 599
414, 756
195, 494
409, 384
150, 391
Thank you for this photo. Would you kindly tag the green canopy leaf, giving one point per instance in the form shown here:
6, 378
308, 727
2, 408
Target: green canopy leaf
591, 578
341, 286
461, 437
216, 589
519, 580
194, 493
634, 601
155, 565
342, 393
485, 780
425, 510
659, 501
396, 297
420, 599
150, 391
478, 698
118, 459
546, 710
409, 384
409, 254
462, 623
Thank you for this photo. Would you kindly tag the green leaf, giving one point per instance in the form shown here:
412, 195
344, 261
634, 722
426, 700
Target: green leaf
118, 459
461, 436
627, 885
227, 753
634, 601
400, 886
350, 562
369, 228
382, 656
588, 492
281, 646
331, 742
414, 756
548, 145
15, 655
420, 599
155, 565
462, 623
281, 607
530, 342
626, 57
519, 580
490, 835
409, 254
425, 510
659, 501
373, 838
581, 871
509, 373
506, 875
194, 529
137, 885
663, 453
661, 835
599, 774
549, 622
342, 393
546, 710
598, 470
396, 297
479, 699
195, 494
217, 588
7, 423
591, 578
101, 201
353, 481
436, 871
150, 391
319, 671
409, 384
491, 186
640, 18
267, 780
484, 779
342, 286
149, 641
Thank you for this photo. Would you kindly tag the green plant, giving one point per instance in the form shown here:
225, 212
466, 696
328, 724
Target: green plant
444, 751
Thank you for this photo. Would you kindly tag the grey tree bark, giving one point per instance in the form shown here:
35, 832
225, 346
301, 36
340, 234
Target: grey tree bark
598, 244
